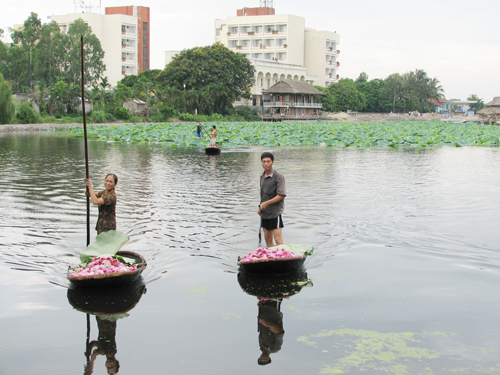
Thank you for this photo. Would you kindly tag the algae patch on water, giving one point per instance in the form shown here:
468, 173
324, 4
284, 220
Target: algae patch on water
370, 350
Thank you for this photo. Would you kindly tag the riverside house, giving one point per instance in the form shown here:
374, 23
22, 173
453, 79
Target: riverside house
291, 100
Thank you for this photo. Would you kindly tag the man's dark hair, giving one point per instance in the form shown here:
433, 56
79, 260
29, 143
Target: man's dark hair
267, 155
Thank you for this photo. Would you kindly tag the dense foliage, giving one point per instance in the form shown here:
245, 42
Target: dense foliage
208, 79
401, 134
6, 106
397, 93
342, 96
42, 55
26, 114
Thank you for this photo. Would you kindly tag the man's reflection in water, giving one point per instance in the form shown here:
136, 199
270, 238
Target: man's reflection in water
270, 326
105, 345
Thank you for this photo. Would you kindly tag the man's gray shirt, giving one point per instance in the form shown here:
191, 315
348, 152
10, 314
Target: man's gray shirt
271, 186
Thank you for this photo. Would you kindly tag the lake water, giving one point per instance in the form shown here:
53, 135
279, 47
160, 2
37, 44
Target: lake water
404, 279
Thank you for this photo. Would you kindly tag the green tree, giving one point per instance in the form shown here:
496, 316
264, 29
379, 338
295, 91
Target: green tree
421, 88
39, 95
93, 55
372, 90
26, 114
23, 52
476, 106
64, 98
209, 78
3, 55
7, 109
343, 96
50, 55
362, 78
396, 92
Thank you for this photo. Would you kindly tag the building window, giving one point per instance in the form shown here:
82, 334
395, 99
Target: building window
144, 39
144, 51
145, 65
144, 27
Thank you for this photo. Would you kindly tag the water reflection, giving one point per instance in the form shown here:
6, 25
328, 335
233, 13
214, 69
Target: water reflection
270, 291
108, 305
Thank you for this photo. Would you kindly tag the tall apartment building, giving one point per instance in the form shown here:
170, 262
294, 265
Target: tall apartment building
124, 36
259, 33
144, 27
297, 52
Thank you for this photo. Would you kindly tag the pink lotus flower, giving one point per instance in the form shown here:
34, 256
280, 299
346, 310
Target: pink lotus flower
261, 254
99, 266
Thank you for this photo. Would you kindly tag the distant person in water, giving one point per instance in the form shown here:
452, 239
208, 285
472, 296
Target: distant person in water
199, 128
106, 200
213, 135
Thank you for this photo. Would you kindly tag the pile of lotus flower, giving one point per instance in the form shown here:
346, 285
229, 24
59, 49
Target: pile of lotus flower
100, 266
261, 254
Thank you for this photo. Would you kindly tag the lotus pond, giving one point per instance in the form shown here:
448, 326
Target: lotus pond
404, 278
415, 134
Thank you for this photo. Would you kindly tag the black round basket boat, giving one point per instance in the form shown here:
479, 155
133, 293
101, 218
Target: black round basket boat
106, 301
273, 286
273, 266
213, 150
113, 279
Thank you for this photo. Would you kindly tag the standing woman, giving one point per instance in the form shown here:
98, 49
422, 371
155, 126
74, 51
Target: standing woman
106, 200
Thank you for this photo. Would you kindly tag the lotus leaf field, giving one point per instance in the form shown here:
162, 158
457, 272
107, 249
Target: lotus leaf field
401, 134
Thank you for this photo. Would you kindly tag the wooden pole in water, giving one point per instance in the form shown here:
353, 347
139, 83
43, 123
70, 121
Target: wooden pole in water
87, 174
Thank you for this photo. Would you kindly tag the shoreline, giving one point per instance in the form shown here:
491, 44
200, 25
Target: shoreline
341, 117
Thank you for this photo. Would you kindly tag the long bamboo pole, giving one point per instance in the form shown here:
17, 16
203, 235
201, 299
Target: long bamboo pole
87, 174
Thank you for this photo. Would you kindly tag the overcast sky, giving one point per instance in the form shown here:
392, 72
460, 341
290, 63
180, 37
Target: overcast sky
457, 42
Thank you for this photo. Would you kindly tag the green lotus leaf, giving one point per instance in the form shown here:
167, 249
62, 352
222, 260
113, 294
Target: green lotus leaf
105, 244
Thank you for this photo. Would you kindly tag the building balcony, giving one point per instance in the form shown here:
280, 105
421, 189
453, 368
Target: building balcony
291, 105
282, 116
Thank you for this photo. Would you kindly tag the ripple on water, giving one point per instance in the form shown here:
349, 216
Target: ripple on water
176, 204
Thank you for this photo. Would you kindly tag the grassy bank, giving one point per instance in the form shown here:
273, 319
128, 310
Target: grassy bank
370, 134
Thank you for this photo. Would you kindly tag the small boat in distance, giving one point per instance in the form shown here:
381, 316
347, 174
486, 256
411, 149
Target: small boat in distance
213, 150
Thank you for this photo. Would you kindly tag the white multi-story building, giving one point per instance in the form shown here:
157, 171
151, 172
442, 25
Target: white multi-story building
296, 51
124, 38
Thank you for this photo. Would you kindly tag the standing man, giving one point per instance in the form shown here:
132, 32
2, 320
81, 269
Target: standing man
213, 135
272, 204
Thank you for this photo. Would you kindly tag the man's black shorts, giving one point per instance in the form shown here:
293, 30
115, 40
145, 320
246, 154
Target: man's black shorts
271, 224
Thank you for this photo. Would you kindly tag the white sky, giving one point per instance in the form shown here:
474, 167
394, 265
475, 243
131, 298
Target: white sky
457, 42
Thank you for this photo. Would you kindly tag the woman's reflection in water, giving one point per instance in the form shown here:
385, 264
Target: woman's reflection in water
105, 345
270, 326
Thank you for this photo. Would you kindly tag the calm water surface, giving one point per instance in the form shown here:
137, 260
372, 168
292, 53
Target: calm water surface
405, 276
